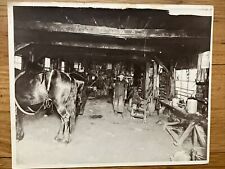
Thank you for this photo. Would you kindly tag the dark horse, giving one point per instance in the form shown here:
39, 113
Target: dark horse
37, 90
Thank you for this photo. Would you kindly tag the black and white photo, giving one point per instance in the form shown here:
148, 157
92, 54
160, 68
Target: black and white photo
97, 84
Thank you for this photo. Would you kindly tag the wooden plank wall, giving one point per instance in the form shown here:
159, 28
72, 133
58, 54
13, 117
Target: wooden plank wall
217, 154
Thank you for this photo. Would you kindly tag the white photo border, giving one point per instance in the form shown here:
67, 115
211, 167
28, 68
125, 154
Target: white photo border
206, 10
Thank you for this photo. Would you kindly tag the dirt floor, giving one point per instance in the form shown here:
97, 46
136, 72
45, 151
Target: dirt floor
109, 139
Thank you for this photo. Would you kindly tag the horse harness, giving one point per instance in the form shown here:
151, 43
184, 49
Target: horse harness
48, 102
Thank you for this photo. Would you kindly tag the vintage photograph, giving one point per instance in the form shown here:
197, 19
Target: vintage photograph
109, 84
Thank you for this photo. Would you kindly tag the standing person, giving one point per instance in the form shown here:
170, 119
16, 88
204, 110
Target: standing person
120, 92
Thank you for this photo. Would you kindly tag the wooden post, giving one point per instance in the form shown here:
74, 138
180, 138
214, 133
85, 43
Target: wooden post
151, 101
59, 64
195, 138
147, 79
172, 83
155, 73
201, 135
31, 56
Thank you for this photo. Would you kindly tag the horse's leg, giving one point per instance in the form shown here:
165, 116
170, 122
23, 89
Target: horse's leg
59, 136
67, 127
19, 125
61, 110
69, 119
72, 120
80, 106
83, 105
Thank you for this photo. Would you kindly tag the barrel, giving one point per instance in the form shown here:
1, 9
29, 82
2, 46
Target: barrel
192, 106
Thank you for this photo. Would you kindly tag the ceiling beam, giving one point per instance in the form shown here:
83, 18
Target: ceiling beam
78, 44
102, 30
103, 46
21, 46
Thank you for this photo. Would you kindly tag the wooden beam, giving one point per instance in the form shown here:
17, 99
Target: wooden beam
172, 133
185, 134
73, 53
201, 135
161, 63
90, 46
102, 30
21, 46
103, 46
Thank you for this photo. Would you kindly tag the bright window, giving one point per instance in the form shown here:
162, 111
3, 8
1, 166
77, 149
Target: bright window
47, 63
18, 62
185, 83
63, 66
76, 65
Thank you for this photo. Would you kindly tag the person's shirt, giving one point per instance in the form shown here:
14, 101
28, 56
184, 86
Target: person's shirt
120, 88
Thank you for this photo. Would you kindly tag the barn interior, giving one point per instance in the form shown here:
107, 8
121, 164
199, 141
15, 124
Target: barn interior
165, 57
